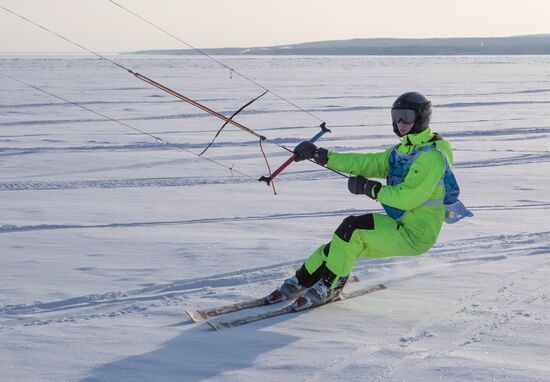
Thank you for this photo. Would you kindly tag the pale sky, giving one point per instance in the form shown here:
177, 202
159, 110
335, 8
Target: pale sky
104, 27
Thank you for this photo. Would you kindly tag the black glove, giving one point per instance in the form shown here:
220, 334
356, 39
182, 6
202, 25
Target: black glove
307, 150
361, 185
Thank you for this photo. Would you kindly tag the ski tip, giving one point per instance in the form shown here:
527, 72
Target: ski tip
219, 325
197, 315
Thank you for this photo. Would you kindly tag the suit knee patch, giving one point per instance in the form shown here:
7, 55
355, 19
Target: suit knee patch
351, 223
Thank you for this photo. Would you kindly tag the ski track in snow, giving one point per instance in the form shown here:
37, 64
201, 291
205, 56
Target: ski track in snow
124, 183
493, 308
119, 303
516, 159
197, 181
129, 102
489, 317
11, 228
485, 320
326, 109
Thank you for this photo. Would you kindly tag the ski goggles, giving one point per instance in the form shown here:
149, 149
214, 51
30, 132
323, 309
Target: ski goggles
405, 115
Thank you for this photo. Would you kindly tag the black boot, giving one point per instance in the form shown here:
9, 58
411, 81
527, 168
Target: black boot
325, 290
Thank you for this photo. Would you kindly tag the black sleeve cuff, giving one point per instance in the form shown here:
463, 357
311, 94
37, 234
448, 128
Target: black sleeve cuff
372, 188
321, 156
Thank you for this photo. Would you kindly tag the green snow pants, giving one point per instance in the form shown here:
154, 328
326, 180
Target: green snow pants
371, 235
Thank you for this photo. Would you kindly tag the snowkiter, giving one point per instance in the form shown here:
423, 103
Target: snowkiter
419, 181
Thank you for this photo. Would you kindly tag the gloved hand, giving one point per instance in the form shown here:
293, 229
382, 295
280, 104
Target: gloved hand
361, 185
307, 150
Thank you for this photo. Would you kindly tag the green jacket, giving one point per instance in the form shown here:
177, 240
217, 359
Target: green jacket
420, 224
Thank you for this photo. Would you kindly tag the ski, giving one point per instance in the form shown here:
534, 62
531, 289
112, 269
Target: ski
205, 314
292, 308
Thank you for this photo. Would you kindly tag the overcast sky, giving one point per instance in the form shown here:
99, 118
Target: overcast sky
102, 26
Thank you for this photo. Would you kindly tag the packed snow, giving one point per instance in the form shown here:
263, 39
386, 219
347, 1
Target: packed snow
107, 235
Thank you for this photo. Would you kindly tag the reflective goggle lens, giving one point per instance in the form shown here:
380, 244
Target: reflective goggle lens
405, 115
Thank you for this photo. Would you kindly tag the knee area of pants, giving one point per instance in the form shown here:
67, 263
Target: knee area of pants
352, 223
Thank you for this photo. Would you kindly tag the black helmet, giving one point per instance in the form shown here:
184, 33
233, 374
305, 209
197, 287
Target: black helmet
421, 106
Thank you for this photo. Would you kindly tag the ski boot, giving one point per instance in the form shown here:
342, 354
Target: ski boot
288, 290
320, 293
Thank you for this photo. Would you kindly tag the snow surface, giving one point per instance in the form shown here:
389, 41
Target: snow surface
107, 235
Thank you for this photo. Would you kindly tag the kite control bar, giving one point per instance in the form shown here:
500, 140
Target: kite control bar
269, 178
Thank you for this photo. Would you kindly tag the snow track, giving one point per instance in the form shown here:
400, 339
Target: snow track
10, 228
180, 293
491, 309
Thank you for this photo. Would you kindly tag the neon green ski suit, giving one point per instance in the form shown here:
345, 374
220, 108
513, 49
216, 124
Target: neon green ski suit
378, 235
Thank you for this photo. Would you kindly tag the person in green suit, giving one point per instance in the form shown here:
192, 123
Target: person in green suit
412, 197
